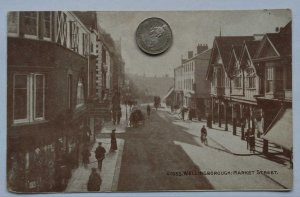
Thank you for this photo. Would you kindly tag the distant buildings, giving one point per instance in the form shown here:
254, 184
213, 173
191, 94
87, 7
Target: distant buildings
52, 67
191, 88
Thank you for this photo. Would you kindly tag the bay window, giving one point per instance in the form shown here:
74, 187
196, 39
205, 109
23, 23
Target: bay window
28, 98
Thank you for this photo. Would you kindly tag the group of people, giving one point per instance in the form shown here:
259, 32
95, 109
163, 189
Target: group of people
95, 180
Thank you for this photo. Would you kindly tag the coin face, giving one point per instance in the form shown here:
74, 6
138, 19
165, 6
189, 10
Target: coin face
154, 36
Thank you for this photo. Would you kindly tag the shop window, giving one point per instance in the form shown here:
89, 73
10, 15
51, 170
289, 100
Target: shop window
13, 23
47, 25
30, 24
80, 94
29, 98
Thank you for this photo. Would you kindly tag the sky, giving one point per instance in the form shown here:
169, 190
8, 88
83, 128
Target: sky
188, 28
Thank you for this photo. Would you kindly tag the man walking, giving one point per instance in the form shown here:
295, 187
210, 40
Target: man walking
203, 135
148, 111
100, 155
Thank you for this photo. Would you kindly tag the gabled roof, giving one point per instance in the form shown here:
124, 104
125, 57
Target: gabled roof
222, 46
281, 42
249, 49
234, 56
89, 18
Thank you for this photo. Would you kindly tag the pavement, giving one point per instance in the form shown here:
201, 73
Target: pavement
110, 166
234, 145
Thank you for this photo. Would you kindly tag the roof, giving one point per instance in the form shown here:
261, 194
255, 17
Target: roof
204, 55
252, 47
282, 42
168, 94
89, 18
225, 43
237, 50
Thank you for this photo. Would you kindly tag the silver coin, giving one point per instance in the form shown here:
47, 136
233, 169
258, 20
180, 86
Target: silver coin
154, 36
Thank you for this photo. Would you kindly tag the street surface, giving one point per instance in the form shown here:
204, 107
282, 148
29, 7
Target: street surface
166, 154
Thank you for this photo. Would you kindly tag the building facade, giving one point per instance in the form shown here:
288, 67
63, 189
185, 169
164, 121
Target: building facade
51, 82
251, 82
191, 88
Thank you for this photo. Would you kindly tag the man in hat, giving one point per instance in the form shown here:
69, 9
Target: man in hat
100, 155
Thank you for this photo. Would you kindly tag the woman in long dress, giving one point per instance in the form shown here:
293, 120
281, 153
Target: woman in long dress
113, 141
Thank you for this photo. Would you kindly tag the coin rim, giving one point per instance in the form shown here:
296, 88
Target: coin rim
153, 52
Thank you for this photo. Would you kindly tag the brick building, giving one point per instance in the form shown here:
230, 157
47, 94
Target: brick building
51, 86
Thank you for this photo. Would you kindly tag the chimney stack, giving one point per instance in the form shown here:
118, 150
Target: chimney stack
190, 54
201, 48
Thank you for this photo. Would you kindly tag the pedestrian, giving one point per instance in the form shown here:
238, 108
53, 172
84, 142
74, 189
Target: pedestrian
203, 135
148, 110
113, 141
252, 141
100, 155
85, 156
94, 181
182, 112
119, 115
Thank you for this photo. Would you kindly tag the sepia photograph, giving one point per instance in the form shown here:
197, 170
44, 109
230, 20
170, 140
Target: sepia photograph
149, 101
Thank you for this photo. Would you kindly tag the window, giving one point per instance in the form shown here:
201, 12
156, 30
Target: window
250, 78
80, 93
47, 25
29, 98
85, 44
13, 23
92, 47
30, 24
269, 78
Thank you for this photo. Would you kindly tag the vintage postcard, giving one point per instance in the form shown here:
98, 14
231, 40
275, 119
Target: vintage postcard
149, 101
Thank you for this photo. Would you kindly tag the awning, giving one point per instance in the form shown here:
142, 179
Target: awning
168, 94
281, 132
